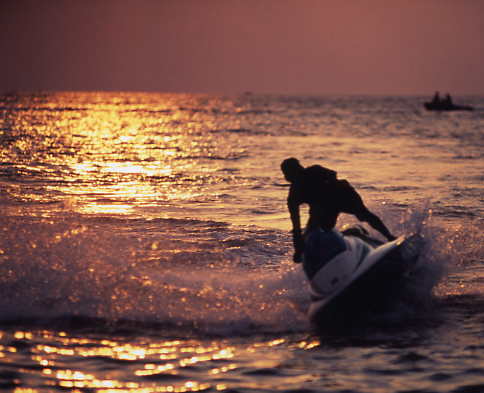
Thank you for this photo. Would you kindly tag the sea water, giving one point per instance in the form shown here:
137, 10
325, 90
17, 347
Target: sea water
145, 245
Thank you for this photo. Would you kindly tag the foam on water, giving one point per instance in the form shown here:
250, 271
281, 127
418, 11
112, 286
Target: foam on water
57, 268
198, 276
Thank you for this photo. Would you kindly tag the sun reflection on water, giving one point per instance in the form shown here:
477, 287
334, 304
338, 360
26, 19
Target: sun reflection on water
65, 361
112, 153
168, 358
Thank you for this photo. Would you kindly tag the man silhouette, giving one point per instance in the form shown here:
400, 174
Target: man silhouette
327, 197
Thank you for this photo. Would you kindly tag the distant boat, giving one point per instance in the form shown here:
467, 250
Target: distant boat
445, 105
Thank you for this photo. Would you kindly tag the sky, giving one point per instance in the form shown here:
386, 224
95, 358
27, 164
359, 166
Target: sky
396, 47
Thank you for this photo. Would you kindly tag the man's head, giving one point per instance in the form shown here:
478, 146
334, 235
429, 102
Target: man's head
291, 169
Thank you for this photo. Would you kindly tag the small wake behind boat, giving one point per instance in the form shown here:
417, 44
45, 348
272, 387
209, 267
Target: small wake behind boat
350, 274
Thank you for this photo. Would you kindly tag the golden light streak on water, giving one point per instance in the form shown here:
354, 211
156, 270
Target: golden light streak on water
20, 335
68, 378
180, 354
103, 152
309, 344
189, 386
223, 369
152, 369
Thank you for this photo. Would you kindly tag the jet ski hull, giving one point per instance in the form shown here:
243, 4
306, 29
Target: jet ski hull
362, 279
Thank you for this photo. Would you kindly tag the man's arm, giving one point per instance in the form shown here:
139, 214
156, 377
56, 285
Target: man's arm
375, 222
297, 239
357, 207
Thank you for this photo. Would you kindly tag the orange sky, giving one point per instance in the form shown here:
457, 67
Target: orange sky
231, 46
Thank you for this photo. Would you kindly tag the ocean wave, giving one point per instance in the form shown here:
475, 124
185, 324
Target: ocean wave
190, 274
42, 109
202, 277
229, 156
245, 131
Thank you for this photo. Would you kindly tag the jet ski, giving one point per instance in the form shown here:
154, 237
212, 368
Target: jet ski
351, 274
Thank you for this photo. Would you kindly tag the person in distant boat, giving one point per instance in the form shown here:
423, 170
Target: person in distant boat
447, 102
327, 197
436, 99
